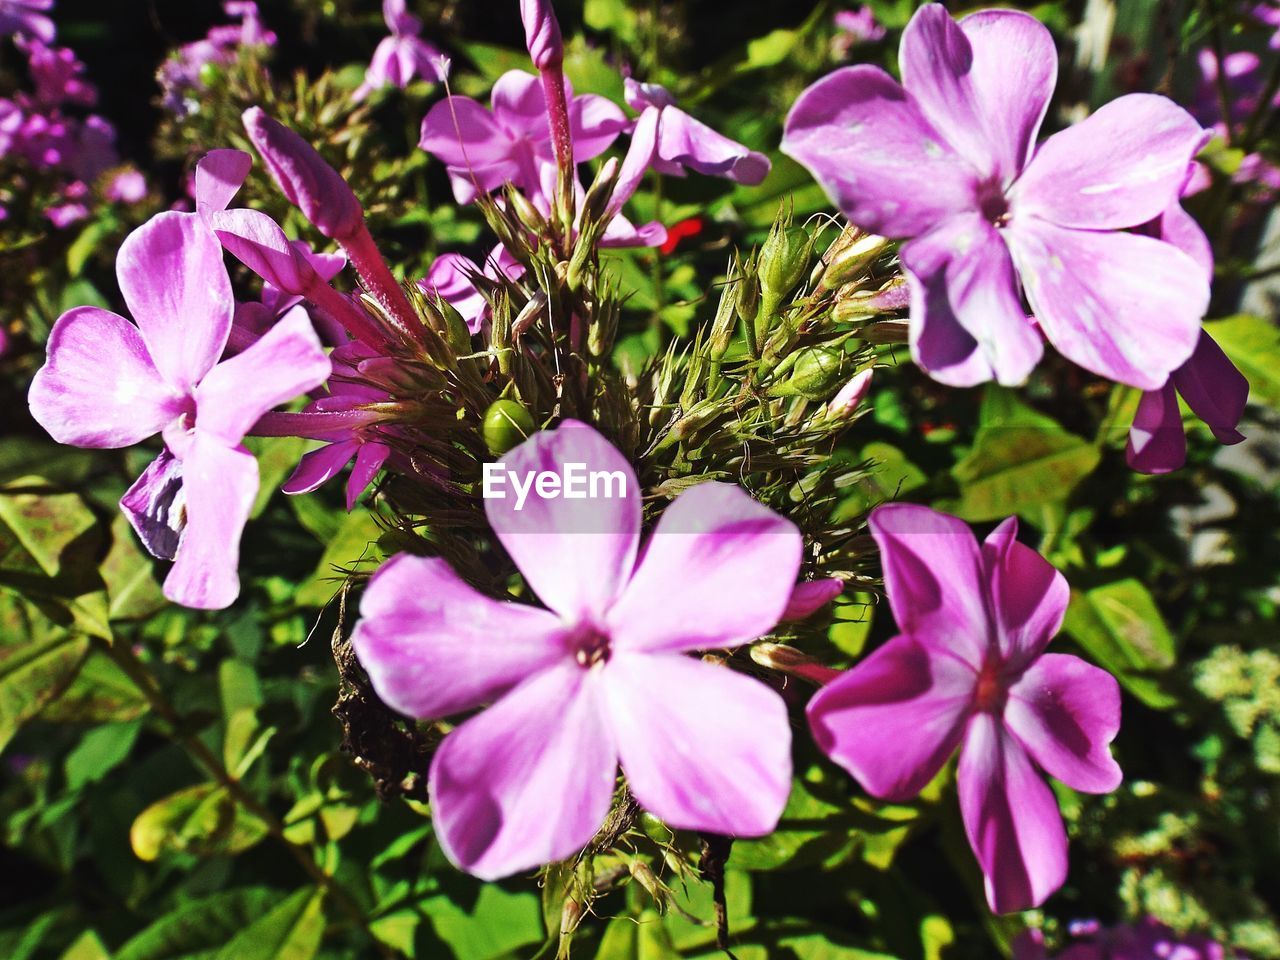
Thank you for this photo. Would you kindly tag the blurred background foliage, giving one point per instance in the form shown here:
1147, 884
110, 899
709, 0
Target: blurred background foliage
173, 784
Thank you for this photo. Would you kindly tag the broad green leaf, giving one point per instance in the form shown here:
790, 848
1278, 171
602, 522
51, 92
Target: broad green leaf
24, 456
290, 931
99, 752
199, 925
203, 819
1122, 629
1020, 458
87, 946
277, 457
810, 832
495, 924
100, 693
38, 660
355, 546
636, 938
1253, 345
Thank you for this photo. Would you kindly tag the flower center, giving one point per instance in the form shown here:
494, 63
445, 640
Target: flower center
990, 695
993, 203
590, 647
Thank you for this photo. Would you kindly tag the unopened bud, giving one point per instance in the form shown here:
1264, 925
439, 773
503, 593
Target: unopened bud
784, 260
542, 33
789, 660
507, 424
850, 255
858, 304
596, 203
746, 292
850, 396
815, 373
886, 331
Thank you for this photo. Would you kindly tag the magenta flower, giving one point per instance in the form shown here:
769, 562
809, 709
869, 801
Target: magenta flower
968, 670
127, 186
1146, 940
483, 149
1268, 14
451, 277
108, 383
403, 55
948, 159
57, 75
25, 18
682, 143
600, 676
855, 27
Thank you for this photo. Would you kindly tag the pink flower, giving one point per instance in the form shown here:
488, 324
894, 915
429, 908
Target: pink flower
484, 149
403, 55
109, 383
25, 18
855, 27
451, 278
1146, 940
599, 677
948, 159
969, 670
58, 75
128, 186
1268, 14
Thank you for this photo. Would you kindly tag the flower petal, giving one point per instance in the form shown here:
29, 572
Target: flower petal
434, 646
575, 553
1157, 443
692, 144
99, 387
219, 176
156, 507
219, 484
369, 461
176, 286
808, 598
260, 244
596, 123
1011, 818
287, 361
933, 578
1214, 389
1028, 594
702, 747
1123, 306
1065, 712
894, 719
463, 134
962, 275
529, 780
1120, 167
867, 143
742, 557
321, 465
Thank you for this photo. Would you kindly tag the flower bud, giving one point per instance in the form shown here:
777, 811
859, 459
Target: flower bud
784, 260
850, 255
789, 660
308, 182
542, 33
850, 396
507, 424
815, 373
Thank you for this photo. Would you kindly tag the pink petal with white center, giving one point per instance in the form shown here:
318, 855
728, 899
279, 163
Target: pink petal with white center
576, 554
702, 747
1065, 712
369, 461
743, 558
529, 780
983, 84
219, 176
434, 646
1120, 167
99, 387
962, 277
1215, 390
1123, 306
933, 578
894, 719
219, 484
173, 279
1011, 818
1157, 442
287, 361
319, 466
1028, 594
869, 146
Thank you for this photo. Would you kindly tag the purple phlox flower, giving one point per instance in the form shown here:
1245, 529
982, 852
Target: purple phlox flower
451, 277
1244, 82
181, 76
403, 55
1214, 389
109, 383
486, 148
251, 32
57, 75
92, 150
597, 676
127, 186
853, 28
947, 159
73, 207
968, 669
1268, 14
1147, 939
25, 18
682, 143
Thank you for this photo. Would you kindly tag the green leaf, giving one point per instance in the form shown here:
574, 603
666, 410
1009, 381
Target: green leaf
498, 923
129, 574
1121, 627
291, 931
99, 752
1253, 345
87, 946
1020, 458
636, 938
811, 830
203, 820
38, 660
200, 925
277, 457
354, 545
100, 693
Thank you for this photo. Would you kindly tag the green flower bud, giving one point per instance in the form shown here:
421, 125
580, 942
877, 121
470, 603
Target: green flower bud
848, 258
815, 374
507, 424
784, 260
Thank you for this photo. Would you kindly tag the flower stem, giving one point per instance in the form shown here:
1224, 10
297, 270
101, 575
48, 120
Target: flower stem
561, 143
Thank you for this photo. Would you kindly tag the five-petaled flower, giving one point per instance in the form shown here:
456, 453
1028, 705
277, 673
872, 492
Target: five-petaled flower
948, 159
968, 669
601, 675
108, 383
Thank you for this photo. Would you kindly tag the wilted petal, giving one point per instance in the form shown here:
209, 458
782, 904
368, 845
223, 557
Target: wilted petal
702, 747
865, 140
529, 780
894, 719
962, 276
1120, 167
1123, 306
1214, 389
578, 553
155, 506
287, 361
1029, 595
743, 557
1065, 712
173, 279
433, 645
319, 466
219, 176
219, 484
933, 578
1011, 818
1157, 443
99, 387
369, 461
